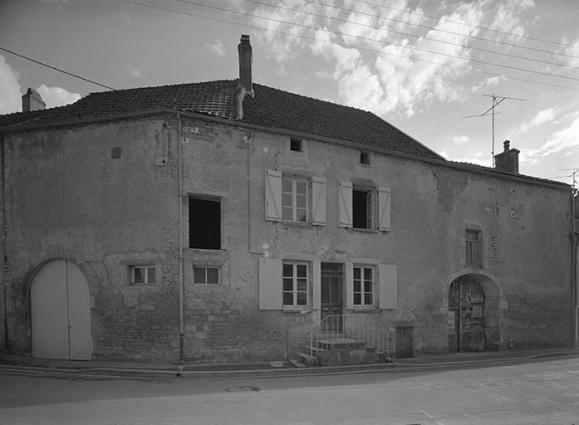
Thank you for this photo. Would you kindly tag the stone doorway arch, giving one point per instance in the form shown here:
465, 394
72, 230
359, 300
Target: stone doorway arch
475, 303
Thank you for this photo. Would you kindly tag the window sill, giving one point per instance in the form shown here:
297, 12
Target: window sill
365, 309
355, 229
296, 310
296, 224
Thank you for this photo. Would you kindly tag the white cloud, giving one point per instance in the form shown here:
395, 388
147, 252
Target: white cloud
461, 140
10, 96
489, 82
133, 71
479, 158
57, 2
56, 96
216, 47
543, 117
559, 142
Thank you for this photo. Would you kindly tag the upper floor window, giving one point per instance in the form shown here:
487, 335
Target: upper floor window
365, 158
204, 223
364, 208
294, 199
473, 245
296, 145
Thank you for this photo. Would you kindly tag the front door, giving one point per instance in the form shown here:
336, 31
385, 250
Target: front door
467, 302
332, 297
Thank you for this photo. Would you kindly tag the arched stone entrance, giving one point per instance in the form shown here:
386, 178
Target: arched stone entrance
60, 312
474, 312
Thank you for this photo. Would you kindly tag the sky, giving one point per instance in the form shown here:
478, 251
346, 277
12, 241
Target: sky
428, 67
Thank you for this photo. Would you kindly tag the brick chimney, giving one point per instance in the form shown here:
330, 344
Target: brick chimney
32, 101
245, 85
508, 160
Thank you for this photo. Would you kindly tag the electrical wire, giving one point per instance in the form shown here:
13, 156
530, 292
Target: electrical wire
56, 69
439, 18
479, 71
439, 30
417, 36
380, 42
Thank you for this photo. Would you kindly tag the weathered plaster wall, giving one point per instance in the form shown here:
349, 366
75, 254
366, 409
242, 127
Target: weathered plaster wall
110, 213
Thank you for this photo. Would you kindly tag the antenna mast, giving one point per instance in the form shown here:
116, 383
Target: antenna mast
497, 100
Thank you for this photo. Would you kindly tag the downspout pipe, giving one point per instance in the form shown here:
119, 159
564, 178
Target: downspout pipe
4, 342
181, 229
574, 271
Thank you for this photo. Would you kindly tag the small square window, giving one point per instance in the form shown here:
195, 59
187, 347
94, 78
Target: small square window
365, 158
296, 145
143, 275
206, 275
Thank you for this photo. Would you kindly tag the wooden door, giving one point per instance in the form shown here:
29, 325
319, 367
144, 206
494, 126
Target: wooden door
60, 313
403, 342
467, 299
332, 299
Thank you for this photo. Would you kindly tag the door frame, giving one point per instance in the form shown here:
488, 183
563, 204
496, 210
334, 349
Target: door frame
335, 274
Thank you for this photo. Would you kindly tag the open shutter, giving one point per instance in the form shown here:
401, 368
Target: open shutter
345, 204
349, 286
384, 207
270, 284
317, 285
273, 195
318, 201
388, 286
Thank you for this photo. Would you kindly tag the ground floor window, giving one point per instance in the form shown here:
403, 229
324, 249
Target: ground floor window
295, 284
363, 286
206, 275
143, 275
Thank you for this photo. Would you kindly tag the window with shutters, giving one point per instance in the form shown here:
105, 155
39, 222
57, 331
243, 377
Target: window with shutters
295, 199
364, 208
363, 285
295, 284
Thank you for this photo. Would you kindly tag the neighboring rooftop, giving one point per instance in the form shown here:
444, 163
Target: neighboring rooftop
271, 108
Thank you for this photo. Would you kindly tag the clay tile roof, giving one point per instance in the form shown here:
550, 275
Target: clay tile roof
269, 107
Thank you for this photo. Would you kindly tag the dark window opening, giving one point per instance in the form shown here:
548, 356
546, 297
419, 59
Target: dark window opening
204, 223
362, 208
364, 158
473, 244
296, 145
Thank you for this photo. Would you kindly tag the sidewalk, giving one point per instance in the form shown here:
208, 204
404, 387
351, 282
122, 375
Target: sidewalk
29, 365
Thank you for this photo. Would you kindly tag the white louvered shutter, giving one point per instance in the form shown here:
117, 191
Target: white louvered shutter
270, 284
384, 208
319, 201
388, 276
345, 204
273, 195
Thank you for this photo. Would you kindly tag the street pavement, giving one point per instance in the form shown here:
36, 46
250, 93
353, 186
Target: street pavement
531, 387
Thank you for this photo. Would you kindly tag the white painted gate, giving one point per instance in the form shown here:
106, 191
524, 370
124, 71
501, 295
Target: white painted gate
60, 313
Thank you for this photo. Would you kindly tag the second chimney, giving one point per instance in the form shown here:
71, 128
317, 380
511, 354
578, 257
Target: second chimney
508, 160
32, 101
245, 61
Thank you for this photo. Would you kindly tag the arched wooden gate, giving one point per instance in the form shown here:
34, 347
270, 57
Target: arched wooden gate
466, 307
60, 312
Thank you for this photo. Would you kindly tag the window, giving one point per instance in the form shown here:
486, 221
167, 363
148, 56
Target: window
143, 275
473, 244
294, 199
204, 223
296, 145
295, 284
206, 275
365, 158
363, 286
364, 208
362, 202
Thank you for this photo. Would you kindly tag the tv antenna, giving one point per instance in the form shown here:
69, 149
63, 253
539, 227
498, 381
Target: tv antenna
497, 100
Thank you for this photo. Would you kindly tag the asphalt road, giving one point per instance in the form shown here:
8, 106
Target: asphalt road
533, 393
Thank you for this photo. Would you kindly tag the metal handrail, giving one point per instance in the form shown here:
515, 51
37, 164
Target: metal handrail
345, 328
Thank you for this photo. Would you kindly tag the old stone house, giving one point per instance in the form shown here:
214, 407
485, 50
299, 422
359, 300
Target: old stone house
230, 221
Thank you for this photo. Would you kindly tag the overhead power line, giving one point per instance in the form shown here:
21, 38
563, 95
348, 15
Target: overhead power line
439, 18
420, 36
55, 68
479, 71
516, 68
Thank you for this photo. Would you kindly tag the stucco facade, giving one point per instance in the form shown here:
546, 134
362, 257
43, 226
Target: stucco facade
113, 195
